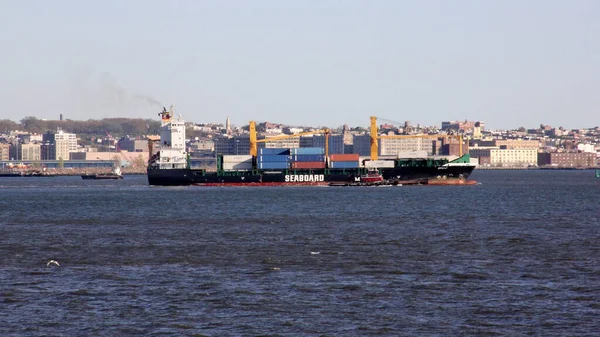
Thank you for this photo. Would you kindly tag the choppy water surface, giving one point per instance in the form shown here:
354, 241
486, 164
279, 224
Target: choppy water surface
518, 254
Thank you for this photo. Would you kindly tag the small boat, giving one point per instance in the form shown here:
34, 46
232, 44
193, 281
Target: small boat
101, 176
115, 174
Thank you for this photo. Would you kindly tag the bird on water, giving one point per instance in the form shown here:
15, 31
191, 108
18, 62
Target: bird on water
52, 262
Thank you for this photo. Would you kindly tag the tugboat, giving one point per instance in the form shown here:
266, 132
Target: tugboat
115, 174
371, 177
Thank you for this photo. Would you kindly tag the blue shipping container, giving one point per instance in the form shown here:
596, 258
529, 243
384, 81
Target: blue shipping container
309, 157
273, 158
273, 151
343, 164
273, 166
307, 150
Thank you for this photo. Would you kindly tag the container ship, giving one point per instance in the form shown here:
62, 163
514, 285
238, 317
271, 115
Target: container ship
312, 166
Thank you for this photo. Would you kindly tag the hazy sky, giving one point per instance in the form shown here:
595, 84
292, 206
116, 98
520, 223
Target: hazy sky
508, 63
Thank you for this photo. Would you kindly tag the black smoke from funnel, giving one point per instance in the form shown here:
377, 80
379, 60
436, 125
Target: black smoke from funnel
101, 95
147, 99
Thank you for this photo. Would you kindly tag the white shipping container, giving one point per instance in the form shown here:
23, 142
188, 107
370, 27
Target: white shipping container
363, 158
244, 166
237, 159
448, 158
379, 163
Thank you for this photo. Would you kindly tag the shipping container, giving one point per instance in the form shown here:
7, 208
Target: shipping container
273, 165
307, 151
273, 158
379, 163
308, 165
273, 151
236, 159
308, 157
343, 157
343, 164
243, 166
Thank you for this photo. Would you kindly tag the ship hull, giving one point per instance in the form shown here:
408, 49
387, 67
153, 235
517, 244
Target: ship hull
398, 175
417, 173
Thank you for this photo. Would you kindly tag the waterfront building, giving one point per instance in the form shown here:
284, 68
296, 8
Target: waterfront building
517, 143
205, 145
477, 131
4, 152
361, 144
122, 158
452, 147
57, 146
394, 146
464, 126
586, 148
132, 144
567, 159
30, 151
336, 142
237, 145
288, 143
495, 156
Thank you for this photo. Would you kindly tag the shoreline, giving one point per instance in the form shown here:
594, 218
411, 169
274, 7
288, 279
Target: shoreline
73, 172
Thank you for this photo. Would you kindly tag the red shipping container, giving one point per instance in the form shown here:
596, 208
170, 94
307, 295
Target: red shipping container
344, 157
308, 165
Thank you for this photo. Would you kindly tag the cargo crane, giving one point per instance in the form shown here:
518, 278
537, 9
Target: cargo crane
151, 140
254, 142
374, 131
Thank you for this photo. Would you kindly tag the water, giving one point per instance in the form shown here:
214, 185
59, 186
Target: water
517, 255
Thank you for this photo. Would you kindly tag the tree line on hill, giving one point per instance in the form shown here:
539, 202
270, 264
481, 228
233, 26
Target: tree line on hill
113, 126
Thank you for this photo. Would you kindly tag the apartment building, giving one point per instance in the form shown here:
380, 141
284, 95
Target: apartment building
504, 157
567, 159
393, 146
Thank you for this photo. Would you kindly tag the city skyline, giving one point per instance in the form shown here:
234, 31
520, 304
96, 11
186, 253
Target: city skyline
381, 122
507, 63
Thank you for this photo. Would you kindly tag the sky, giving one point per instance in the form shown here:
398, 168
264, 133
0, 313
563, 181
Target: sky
509, 63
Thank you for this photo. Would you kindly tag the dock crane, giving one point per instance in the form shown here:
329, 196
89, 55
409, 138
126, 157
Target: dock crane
374, 131
254, 142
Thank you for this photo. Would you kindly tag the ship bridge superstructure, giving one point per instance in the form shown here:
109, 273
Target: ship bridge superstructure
172, 153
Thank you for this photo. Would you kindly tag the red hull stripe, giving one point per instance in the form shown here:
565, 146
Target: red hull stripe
451, 182
311, 183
